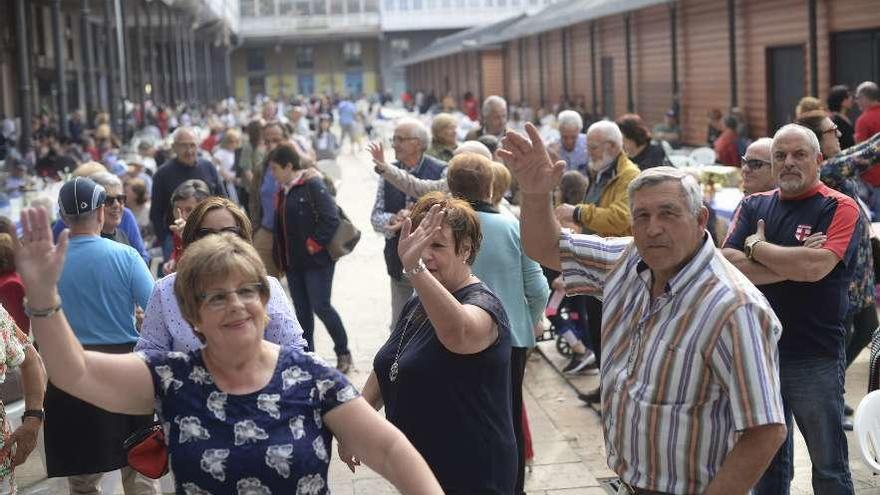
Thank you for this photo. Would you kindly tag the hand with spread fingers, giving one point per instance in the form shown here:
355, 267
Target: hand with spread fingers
378, 154
529, 161
413, 242
38, 260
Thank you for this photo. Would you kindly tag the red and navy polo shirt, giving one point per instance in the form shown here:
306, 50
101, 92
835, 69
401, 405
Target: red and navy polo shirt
812, 313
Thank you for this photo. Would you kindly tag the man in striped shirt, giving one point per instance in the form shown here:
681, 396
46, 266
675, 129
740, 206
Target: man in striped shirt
690, 389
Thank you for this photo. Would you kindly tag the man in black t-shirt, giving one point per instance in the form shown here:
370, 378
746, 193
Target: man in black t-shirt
185, 166
807, 288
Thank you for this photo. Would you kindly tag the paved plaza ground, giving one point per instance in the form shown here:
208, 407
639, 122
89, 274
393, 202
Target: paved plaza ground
569, 451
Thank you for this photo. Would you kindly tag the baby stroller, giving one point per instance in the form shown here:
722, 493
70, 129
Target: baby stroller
564, 320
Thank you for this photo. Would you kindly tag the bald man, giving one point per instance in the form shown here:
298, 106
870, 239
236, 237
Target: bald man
807, 288
184, 166
757, 172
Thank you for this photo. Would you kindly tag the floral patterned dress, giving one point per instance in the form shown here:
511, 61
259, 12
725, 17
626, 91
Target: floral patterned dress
12, 354
265, 442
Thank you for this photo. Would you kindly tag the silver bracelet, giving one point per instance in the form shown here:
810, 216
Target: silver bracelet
419, 268
40, 313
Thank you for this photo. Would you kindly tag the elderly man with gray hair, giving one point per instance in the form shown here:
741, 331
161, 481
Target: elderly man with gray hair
807, 288
690, 390
572, 145
392, 205
493, 119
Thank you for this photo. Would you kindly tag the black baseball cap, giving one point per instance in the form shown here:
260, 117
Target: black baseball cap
80, 195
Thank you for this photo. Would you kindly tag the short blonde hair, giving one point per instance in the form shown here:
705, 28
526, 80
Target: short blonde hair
501, 180
810, 106
441, 120
88, 169
216, 257
231, 136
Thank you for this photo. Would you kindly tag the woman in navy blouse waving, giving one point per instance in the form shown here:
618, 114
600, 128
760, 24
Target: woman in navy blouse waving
242, 415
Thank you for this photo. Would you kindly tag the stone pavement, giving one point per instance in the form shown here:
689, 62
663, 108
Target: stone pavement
569, 450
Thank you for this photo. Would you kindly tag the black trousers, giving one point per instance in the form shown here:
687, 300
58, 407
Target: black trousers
594, 326
518, 357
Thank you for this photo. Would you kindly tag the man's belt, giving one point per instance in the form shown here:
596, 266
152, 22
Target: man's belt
627, 489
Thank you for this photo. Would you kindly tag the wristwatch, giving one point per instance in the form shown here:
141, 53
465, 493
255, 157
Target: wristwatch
33, 413
749, 248
409, 272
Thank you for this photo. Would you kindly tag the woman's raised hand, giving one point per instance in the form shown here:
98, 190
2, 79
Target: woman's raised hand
38, 260
529, 161
413, 243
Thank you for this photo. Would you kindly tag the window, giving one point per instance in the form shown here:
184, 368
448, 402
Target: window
404, 4
257, 85
354, 6
417, 4
286, 7
446, 3
474, 3
351, 53
319, 7
267, 7
248, 8
371, 6
305, 57
389, 4
399, 48
256, 60
40, 31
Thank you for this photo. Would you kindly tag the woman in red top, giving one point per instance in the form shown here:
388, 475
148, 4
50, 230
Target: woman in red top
726, 151
11, 288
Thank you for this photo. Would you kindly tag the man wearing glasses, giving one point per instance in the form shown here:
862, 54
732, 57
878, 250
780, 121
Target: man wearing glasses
756, 171
392, 206
84, 441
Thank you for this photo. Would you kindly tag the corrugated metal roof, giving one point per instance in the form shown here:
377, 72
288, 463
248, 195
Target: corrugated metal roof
462, 41
554, 16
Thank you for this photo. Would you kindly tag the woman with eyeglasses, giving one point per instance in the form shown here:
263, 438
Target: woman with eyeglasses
166, 329
305, 221
243, 415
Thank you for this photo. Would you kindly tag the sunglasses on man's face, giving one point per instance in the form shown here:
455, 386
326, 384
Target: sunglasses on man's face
204, 231
112, 200
753, 163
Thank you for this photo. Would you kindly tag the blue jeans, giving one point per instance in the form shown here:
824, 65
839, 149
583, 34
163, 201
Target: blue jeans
812, 391
310, 289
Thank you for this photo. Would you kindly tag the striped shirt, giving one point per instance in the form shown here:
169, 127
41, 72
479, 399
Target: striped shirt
682, 372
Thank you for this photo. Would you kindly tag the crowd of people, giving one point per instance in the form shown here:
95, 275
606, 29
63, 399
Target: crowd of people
149, 275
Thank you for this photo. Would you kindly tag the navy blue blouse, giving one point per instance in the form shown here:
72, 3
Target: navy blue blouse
454, 408
269, 441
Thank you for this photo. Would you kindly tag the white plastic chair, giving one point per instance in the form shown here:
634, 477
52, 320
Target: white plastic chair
703, 156
680, 161
867, 430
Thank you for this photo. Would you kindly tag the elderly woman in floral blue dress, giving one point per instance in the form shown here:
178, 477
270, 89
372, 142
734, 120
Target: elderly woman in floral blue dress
243, 415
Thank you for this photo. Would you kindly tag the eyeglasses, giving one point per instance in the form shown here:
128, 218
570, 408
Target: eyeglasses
833, 129
753, 163
204, 231
112, 200
401, 139
219, 300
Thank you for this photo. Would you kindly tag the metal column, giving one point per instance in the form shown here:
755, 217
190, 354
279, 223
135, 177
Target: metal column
110, 69
209, 80
731, 41
88, 48
151, 53
593, 69
24, 71
565, 40
541, 98
60, 68
814, 49
673, 31
627, 30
